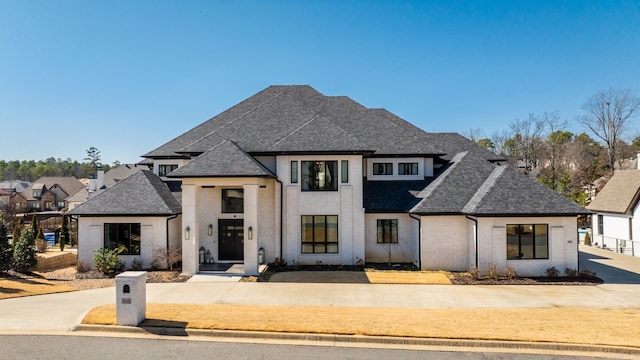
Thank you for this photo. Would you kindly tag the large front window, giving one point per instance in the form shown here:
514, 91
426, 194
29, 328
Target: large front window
528, 241
319, 234
232, 200
319, 175
123, 236
387, 231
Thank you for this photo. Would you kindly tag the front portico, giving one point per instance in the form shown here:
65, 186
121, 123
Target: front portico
209, 224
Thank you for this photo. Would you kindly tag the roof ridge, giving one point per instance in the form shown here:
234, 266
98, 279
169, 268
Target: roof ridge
295, 130
484, 189
233, 120
455, 161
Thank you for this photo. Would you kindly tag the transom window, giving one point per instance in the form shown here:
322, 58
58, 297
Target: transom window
382, 168
232, 200
163, 170
408, 168
319, 175
387, 231
125, 236
319, 234
528, 241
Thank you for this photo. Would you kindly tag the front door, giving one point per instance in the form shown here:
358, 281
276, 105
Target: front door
231, 239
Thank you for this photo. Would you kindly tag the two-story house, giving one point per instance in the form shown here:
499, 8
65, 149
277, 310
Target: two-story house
292, 174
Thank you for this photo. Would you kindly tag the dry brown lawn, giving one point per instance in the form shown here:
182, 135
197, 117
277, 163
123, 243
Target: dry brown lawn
18, 287
565, 325
362, 277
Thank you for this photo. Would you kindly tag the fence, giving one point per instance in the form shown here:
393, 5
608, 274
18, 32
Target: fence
622, 246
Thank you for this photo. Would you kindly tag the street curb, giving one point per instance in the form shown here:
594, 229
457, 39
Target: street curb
360, 339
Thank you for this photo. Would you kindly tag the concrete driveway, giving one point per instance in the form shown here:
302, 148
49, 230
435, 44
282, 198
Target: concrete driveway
59, 312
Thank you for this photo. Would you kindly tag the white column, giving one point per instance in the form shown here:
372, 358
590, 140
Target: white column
251, 231
190, 220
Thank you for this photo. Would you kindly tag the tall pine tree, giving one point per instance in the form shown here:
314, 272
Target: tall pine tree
5, 248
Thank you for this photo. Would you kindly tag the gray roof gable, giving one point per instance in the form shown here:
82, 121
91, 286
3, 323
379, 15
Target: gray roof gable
299, 119
515, 193
455, 185
142, 193
226, 159
471, 185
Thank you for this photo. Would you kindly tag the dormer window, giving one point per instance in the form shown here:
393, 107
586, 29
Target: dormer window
163, 170
408, 168
382, 168
37, 193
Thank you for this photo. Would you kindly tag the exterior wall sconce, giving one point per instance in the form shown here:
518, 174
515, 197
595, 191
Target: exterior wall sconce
250, 232
210, 231
186, 233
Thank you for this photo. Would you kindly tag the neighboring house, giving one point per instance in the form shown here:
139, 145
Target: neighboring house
103, 181
616, 223
48, 193
292, 174
14, 185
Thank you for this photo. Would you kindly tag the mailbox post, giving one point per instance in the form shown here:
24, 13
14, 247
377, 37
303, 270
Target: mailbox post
131, 298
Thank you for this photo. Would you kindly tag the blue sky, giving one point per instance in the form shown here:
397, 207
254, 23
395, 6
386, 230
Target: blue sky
127, 76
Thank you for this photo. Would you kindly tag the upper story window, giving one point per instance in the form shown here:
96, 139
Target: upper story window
37, 193
319, 175
344, 171
294, 172
18, 206
232, 200
163, 170
60, 204
408, 168
382, 168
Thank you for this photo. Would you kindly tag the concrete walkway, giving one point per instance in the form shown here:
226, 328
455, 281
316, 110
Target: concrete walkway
59, 312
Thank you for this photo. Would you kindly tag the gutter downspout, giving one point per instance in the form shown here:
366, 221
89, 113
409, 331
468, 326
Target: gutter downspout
419, 241
281, 201
475, 236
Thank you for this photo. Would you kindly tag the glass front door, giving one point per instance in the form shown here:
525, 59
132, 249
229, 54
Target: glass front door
231, 239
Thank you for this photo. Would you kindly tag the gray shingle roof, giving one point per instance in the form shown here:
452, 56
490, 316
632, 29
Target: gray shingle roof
474, 186
515, 193
620, 195
392, 196
224, 160
142, 193
68, 184
299, 119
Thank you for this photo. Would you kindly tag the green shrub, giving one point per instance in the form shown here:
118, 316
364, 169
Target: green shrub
24, 253
136, 265
107, 261
587, 273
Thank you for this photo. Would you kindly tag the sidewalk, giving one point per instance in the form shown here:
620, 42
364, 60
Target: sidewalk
64, 310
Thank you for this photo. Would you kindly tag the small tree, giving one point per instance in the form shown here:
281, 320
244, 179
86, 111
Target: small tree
64, 233
41, 242
5, 249
24, 253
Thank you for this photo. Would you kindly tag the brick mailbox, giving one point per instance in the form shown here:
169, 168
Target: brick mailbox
131, 298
